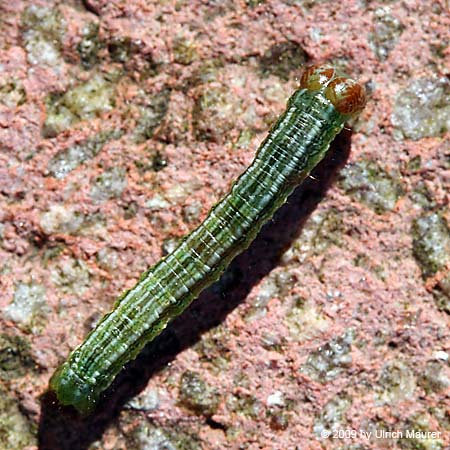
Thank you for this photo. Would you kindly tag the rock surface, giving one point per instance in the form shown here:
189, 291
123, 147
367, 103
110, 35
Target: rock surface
123, 122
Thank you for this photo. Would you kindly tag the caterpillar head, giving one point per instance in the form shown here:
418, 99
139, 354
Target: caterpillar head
347, 95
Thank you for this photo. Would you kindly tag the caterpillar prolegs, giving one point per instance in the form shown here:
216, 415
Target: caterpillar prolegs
300, 138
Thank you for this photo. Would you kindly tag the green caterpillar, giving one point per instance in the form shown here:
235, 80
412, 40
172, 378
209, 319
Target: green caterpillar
300, 138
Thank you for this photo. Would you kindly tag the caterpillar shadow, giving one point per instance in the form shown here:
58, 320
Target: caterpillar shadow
63, 429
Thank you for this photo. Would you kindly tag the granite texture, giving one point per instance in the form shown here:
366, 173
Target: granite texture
122, 123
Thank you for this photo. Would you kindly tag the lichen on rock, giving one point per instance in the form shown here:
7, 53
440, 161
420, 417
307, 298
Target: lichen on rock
331, 359
417, 424
370, 184
110, 184
305, 321
396, 383
12, 92
120, 48
422, 109
152, 437
16, 433
28, 308
70, 275
84, 101
197, 395
15, 357
431, 243
431, 247
70, 158
213, 113
43, 34
332, 415
151, 110
185, 50
89, 45
322, 230
60, 218
386, 32
435, 377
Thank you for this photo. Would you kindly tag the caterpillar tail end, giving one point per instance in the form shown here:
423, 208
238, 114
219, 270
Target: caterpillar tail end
71, 390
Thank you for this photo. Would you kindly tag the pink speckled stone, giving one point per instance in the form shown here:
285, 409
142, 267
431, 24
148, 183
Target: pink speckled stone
346, 281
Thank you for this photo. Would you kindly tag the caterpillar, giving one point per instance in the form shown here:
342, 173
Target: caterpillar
300, 138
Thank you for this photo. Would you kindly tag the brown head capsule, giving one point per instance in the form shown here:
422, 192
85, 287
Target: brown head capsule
347, 95
318, 76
